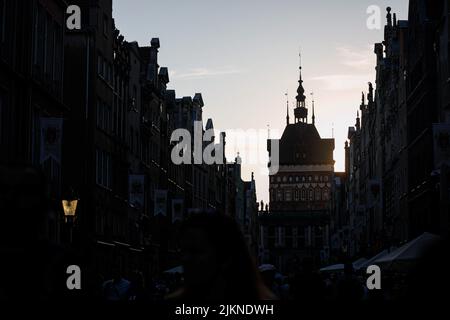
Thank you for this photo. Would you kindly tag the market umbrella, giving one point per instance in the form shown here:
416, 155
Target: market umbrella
358, 263
372, 260
408, 254
266, 267
333, 268
178, 269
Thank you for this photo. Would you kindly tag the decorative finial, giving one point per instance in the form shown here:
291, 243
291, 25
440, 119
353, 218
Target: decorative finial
389, 16
313, 112
287, 107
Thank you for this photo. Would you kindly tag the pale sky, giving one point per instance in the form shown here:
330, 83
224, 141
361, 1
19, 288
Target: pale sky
243, 57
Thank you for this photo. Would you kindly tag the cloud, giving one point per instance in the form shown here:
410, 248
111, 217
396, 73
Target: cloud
361, 59
202, 73
336, 82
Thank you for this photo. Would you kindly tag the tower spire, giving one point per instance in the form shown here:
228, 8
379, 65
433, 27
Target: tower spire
300, 111
313, 111
287, 107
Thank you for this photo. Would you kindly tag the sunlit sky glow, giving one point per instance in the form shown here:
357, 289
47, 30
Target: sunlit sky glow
243, 57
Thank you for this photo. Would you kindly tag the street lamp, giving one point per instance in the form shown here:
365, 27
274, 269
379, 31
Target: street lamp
70, 209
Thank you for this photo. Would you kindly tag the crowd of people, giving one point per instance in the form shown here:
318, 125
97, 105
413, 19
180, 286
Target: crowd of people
218, 267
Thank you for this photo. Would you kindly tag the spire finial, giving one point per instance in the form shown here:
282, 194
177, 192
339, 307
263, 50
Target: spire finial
313, 112
287, 107
300, 63
389, 16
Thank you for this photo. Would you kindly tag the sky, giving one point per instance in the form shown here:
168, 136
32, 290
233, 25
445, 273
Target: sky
243, 56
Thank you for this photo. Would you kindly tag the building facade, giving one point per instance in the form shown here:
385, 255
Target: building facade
296, 227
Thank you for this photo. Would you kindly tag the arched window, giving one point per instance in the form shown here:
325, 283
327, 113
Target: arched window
318, 194
303, 194
288, 195
296, 195
326, 194
311, 194
279, 195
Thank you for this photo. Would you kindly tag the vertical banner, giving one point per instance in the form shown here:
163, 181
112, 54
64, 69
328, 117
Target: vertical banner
177, 210
136, 189
160, 202
51, 139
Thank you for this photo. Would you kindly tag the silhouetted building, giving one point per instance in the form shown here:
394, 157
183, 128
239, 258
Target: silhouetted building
398, 151
32, 110
298, 221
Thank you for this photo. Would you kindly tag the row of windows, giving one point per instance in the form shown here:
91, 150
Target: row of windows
47, 46
310, 178
2, 20
292, 237
318, 194
103, 162
105, 69
104, 116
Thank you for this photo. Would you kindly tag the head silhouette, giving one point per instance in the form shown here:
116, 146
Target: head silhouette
217, 263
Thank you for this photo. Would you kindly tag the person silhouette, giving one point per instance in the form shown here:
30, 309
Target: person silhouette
217, 263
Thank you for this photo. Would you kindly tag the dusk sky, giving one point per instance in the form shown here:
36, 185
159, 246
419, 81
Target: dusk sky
243, 57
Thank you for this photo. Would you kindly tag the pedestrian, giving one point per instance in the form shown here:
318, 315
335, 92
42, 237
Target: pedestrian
217, 263
116, 289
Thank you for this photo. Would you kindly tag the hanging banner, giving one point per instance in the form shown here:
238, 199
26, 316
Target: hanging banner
136, 190
51, 139
177, 210
160, 202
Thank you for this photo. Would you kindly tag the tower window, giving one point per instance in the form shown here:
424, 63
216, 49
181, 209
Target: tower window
279, 195
288, 195
318, 194
326, 194
105, 25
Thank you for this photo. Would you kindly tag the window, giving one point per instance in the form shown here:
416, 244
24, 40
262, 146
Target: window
326, 194
279, 195
104, 168
303, 195
284, 179
104, 116
325, 178
39, 38
311, 194
296, 195
288, 195
318, 236
100, 65
2, 20
318, 194
131, 143
105, 25
301, 232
